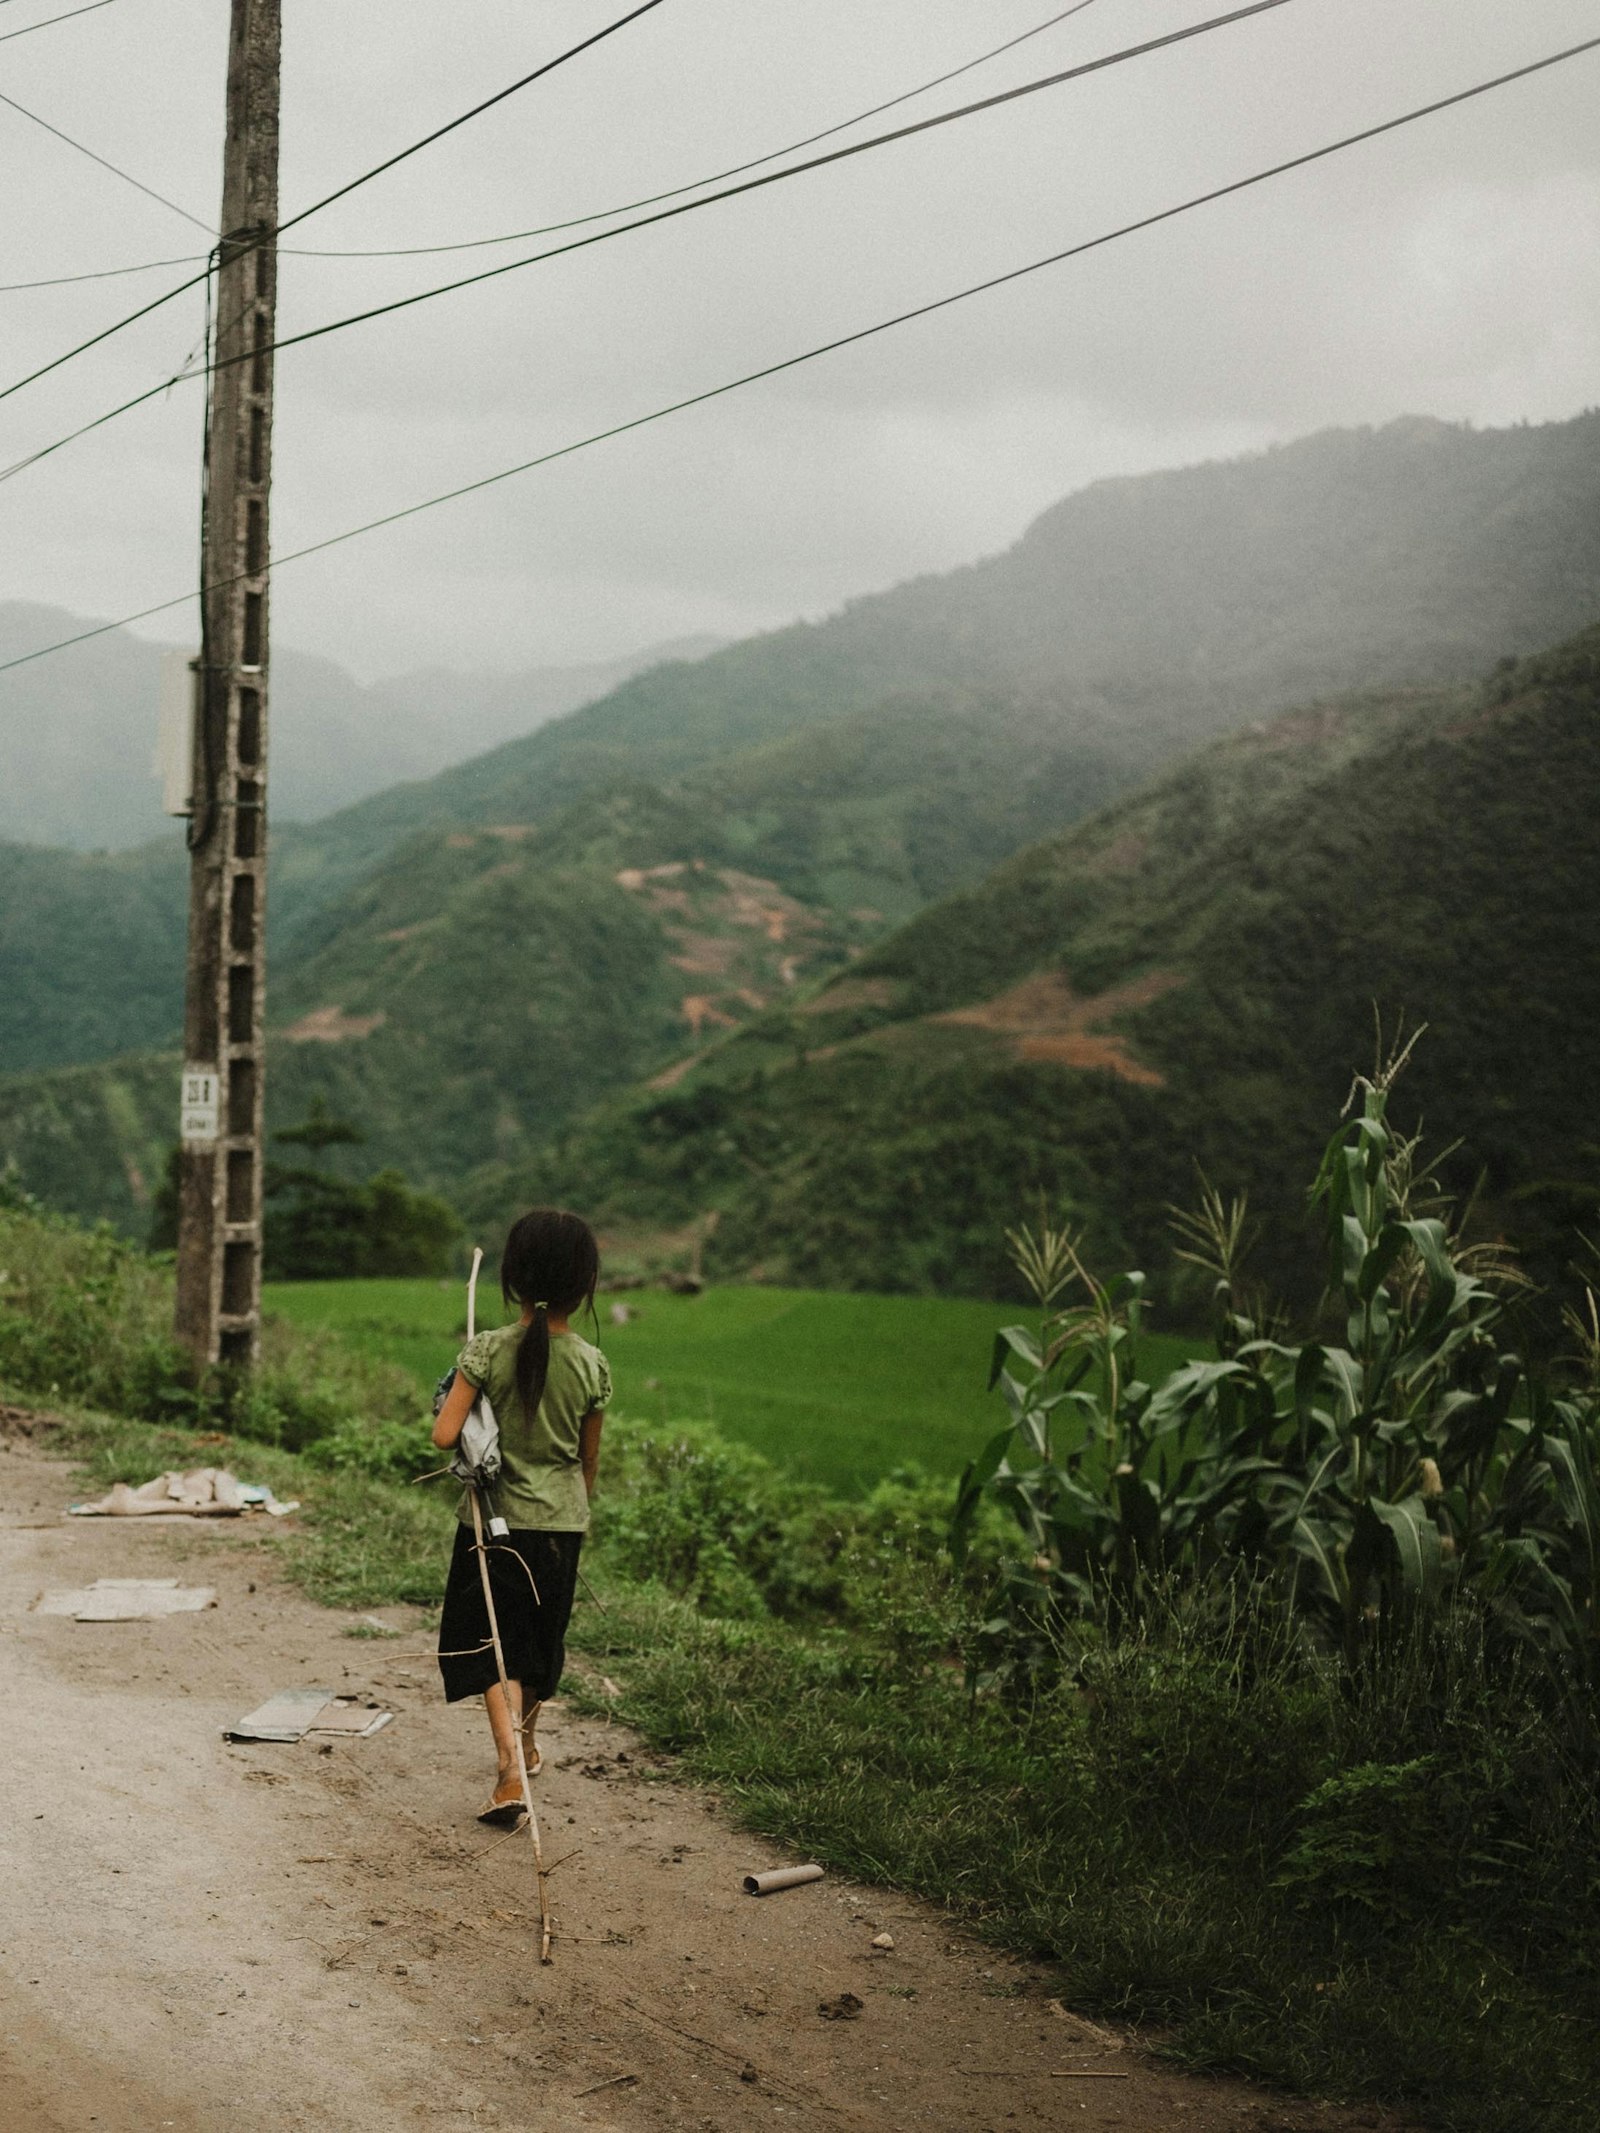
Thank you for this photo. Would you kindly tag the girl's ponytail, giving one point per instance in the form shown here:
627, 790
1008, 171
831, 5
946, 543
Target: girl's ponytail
551, 1263
533, 1358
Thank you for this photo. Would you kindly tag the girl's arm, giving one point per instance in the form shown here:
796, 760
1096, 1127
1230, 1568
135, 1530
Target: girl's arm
589, 1445
451, 1418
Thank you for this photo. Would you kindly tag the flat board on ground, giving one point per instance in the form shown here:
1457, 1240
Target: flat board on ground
840, 1389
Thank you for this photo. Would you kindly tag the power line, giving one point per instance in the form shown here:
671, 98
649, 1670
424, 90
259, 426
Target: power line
60, 281
50, 20
317, 206
138, 185
477, 110
848, 340
626, 207
667, 214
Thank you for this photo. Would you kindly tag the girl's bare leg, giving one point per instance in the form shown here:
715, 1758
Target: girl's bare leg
530, 1745
505, 1717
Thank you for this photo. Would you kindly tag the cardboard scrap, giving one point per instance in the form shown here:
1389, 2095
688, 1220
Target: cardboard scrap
293, 1713
348, 1716
127, 1600
286, 1716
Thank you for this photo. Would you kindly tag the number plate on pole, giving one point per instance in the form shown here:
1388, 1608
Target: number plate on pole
198, 1107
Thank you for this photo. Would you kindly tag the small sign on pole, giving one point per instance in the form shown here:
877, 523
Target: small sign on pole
174, 763
199, 1110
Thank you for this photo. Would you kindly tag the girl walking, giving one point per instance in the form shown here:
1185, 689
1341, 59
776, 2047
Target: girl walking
549, 1389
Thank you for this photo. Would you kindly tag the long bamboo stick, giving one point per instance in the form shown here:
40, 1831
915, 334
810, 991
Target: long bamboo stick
516, 1729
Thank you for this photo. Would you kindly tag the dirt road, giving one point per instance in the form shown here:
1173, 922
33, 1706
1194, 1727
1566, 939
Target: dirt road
207, 1937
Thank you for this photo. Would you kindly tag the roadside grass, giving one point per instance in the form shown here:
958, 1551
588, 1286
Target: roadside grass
839, 1389
1384, 1890
1095, 1836
359, 1540
1131, 1827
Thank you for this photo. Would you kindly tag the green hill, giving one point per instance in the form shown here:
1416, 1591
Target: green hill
1189, 977
1149, 612
480, 986
91, 952
1131, 621
459, 963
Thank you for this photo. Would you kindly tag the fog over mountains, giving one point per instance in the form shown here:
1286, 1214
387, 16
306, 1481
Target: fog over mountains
78, 730
697, 848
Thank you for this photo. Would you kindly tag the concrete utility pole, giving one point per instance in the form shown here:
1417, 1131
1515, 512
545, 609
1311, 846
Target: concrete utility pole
220, 1120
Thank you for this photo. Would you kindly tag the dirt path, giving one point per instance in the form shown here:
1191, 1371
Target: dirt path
206, 1937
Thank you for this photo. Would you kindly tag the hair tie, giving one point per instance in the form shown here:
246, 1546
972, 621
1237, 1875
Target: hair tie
541, 1307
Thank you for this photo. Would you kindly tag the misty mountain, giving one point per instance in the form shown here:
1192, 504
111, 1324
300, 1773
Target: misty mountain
1151, 612
1184, 983
862, 766
78, 730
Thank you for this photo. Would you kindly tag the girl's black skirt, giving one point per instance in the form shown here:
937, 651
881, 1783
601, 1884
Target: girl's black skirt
533, 1632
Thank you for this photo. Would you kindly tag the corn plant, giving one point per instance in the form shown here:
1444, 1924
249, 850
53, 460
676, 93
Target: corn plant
1377, 1470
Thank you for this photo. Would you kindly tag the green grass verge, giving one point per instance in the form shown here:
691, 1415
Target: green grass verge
1382, 1886
359, 1541
1103, 1839
1135, 1827
837, 1389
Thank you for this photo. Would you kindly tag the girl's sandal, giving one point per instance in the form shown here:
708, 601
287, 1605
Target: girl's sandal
502, 1814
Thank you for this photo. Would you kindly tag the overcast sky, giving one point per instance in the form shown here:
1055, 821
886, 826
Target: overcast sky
1453, 270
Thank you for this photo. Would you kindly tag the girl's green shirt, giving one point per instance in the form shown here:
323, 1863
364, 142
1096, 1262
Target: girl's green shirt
541, 1481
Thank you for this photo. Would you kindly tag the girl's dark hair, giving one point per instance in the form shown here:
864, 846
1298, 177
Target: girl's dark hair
552, 1262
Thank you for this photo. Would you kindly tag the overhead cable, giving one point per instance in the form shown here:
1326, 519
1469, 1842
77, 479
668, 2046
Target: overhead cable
61, 281
846, 340
716, 177
606, 214
661, 214
138, 185
50, 20
328, 199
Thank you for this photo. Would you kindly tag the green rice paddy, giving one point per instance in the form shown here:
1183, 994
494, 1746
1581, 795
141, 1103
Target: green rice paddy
839, 1389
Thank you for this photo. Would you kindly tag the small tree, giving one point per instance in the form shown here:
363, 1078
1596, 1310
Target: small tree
324, 1228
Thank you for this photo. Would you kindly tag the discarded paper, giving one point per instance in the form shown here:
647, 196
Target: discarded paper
347, 1716
201, 1492
128, 1600
286, 1716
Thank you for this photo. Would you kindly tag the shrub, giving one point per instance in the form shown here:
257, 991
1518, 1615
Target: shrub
86, 1318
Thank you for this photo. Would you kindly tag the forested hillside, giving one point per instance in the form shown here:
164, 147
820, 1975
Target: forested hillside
461, 963
479, 987
1149, 613
1190, 977
91, 952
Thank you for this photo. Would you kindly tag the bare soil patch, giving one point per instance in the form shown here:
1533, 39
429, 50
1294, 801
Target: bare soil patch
331, 1025
231, 1939
1048, 1022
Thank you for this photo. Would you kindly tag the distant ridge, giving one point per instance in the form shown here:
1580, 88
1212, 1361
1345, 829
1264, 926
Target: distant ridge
78, 731
862, 767
1151, 611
